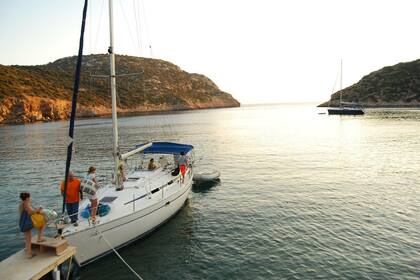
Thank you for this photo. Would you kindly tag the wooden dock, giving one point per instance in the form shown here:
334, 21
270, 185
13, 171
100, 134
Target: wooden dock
49, 255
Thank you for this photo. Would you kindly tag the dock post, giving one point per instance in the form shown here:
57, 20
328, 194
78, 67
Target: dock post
56, 274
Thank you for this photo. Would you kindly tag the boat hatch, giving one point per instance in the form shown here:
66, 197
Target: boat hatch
108, 199
133, 178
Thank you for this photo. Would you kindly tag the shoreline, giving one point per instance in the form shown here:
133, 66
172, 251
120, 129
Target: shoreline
123, 113
379, 106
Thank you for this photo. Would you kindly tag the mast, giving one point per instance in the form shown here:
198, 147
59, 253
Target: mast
341, 81
74, 104
113, 96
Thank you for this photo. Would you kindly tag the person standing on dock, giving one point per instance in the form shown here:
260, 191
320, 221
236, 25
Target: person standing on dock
73, 195
25, 222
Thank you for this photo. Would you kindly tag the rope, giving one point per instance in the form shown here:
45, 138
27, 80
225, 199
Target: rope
148, 37
99, 26
138, 26
118, 255
128, 25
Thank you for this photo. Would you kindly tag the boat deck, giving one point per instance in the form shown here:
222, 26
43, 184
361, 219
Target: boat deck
138, 188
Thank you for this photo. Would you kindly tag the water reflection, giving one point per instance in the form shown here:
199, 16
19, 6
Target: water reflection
204, 187
394, 114
303, 195
149, 256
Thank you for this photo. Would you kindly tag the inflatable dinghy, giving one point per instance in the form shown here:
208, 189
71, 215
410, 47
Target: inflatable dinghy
207, 176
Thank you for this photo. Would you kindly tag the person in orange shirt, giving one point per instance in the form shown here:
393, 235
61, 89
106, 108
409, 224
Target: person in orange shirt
72, 197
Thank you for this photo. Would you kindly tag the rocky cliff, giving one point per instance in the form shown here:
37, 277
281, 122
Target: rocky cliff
43, 92
392, 86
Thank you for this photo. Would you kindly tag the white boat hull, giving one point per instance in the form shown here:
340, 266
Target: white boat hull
90, 244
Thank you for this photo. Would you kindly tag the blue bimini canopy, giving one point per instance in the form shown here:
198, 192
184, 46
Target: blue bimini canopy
167, 148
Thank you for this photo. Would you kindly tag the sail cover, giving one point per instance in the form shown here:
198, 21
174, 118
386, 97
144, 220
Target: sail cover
167, 148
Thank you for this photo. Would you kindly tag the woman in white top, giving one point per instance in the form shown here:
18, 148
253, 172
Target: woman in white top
90, 186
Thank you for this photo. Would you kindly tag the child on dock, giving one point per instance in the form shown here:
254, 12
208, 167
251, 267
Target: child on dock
25, 222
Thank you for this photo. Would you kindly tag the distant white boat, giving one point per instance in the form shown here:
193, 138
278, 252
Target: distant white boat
345, 108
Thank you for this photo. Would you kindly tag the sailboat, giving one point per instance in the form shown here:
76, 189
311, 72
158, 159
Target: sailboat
141, 203
345, 108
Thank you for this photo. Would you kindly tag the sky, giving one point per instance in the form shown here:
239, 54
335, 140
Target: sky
264, 51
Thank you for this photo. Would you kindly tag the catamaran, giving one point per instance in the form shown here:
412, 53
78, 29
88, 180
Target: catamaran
345, 108
141, 203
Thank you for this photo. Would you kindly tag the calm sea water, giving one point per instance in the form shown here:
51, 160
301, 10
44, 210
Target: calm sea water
302, 195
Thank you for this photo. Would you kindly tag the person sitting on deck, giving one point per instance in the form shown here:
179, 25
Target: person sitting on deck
25, 223
152, 165
73, 195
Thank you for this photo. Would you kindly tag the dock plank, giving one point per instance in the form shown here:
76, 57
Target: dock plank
19, 267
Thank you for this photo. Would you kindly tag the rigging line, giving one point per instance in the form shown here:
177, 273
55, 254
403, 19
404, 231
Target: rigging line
99, 26
126, 22
140, 34
137, 17
118, 99
335, 83
146, 29
118, 255
168, 128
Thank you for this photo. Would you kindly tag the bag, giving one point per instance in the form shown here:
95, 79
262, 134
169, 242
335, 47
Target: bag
86, 212
103, 210
89, 187
25, 222
38, 220
175, 172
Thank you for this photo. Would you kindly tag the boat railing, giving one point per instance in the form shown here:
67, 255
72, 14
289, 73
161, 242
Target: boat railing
62, 221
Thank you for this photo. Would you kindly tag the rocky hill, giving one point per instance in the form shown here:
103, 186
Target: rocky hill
392, 86
43, 92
